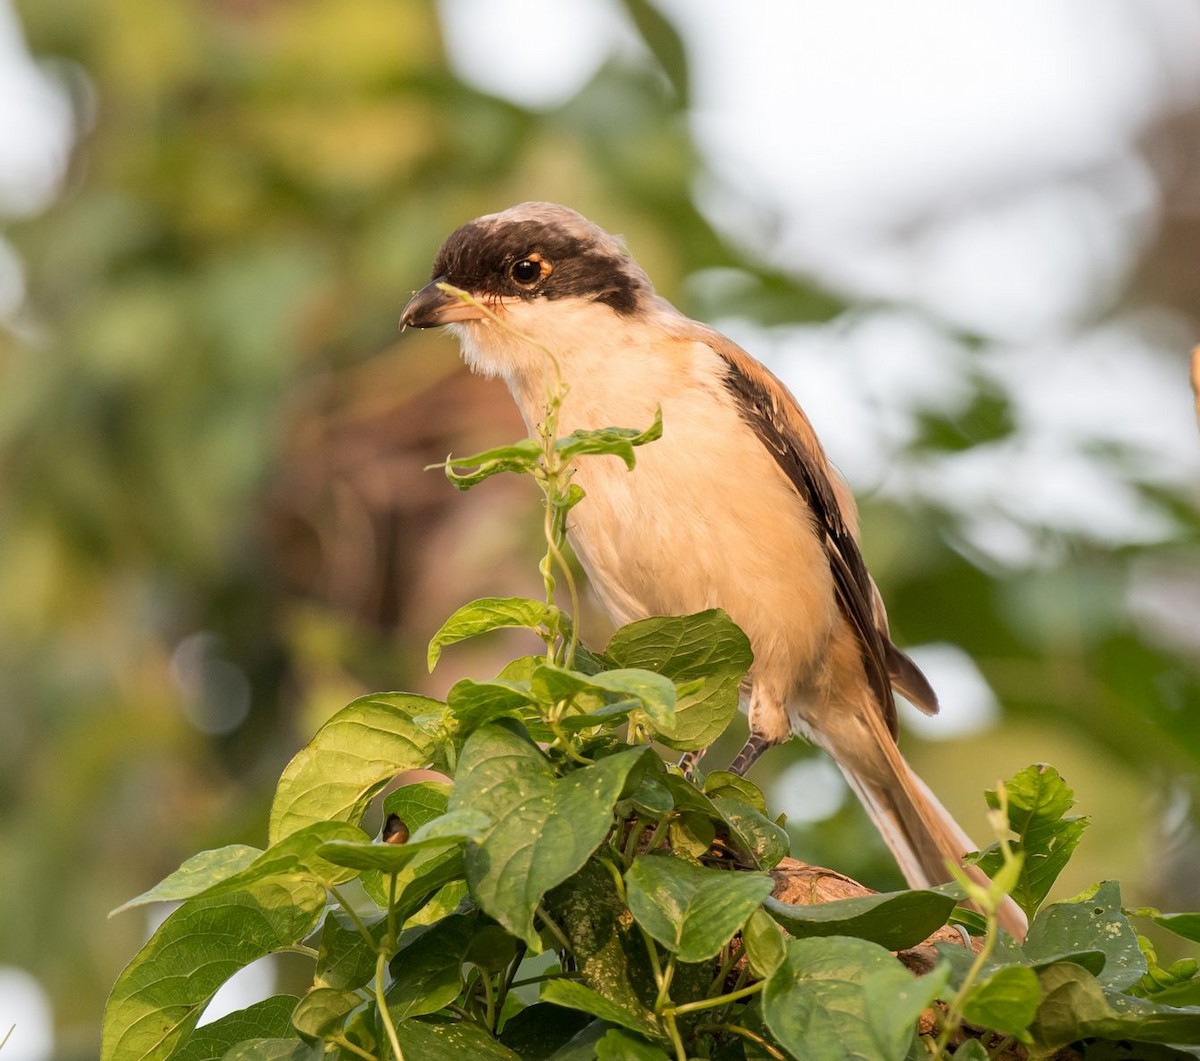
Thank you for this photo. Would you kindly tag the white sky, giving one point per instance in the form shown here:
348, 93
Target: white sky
35, 127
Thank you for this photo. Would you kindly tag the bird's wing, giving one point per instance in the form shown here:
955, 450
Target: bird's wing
905, 675
780, 424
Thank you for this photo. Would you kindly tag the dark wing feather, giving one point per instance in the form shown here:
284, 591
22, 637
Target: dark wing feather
908, 681
787, 434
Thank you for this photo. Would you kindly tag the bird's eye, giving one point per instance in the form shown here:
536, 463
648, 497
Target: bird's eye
527, 271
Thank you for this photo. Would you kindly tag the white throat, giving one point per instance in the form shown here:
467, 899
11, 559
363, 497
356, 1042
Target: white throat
601, 357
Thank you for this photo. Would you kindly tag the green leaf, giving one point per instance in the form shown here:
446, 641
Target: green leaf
543, 827
345, 959
1075, 1006
519, 457
574, 995
281, 1049
295, 857
816, 1003
1064, 930
609, 716
582, 1045
652, 798
323, 1011
1038, 801
614, 441
161, 993
688, 799
1185, 925
444, 900
694, 826
539, 1030
654, 693
894, 1007
416, 805
492, 948
724, 783
707, 646
972, 1050
195, 875
961, 960
895, 920
691, 836
484, 615
1131, 1050
620, 1045
1176, 985
351, 758
450, 831
1007, 1001
269, 1019
753, 832
428, 971
764, 944
691, 910
452, 1041
473, 703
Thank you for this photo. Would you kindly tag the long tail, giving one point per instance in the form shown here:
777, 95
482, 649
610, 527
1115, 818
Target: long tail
920, 832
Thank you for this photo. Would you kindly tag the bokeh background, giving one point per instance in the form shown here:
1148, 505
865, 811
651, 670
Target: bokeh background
968, 238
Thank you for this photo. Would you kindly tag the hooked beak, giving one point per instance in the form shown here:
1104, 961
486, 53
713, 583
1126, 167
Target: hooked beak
431, 307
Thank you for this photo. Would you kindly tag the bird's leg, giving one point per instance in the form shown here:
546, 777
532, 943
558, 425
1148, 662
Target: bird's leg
689, 761
754, 747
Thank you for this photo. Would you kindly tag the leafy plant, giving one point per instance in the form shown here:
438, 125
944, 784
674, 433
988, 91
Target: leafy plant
560, 832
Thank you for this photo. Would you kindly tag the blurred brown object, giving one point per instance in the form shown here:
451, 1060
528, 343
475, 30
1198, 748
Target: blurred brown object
358, 522
1196, 379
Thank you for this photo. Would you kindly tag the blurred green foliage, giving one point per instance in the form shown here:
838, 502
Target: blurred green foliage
257, 187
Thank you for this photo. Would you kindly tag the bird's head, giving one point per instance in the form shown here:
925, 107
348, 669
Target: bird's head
537, 266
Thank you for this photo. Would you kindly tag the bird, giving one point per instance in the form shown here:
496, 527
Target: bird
735, 507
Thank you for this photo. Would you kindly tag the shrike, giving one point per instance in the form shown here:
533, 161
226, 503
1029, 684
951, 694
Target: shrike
735, 507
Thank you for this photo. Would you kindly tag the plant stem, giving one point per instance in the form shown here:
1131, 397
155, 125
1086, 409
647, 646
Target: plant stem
655, 965
346, 1044
635, 834
509, 976
353, 915
664, 988
720, 1000
381, 1002
555, 931
562, 739
726, 967
555, 479
573, 594
954, 1014
673, 1032
660, 827
489, 994
542, 979
745, 1033
391, 914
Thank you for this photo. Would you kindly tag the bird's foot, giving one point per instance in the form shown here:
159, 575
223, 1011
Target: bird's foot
748, 756
689, 761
